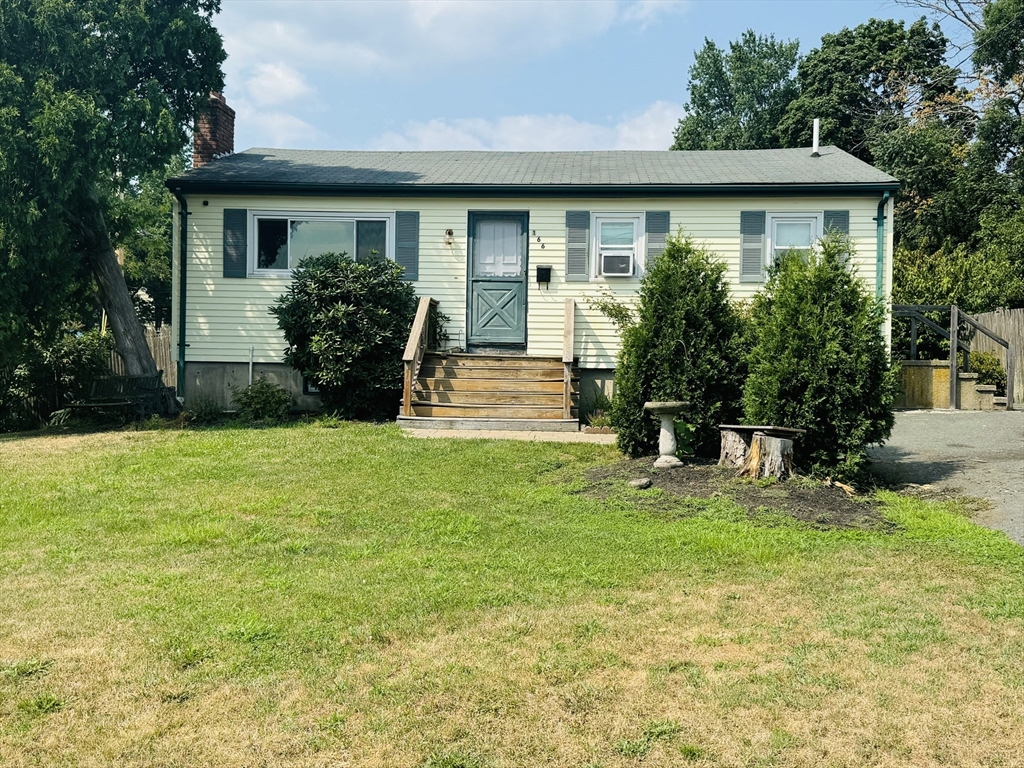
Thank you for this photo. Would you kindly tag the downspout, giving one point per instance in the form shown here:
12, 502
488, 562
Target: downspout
183, 215
880, 244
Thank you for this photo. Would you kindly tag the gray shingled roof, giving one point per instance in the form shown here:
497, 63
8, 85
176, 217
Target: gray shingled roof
279, 168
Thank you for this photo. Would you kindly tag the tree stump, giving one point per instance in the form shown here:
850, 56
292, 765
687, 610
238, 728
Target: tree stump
768, 457
734, 449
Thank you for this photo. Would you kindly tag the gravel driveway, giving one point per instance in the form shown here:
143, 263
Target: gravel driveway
977, 453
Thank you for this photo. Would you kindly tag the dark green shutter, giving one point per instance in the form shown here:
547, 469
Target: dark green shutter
577, 246
236, 237
752, 246
837, 221
657, 233
407, 243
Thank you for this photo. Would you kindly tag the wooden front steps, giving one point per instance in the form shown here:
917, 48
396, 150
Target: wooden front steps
487, 391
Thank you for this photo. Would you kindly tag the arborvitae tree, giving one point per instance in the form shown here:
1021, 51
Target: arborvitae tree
683, 344
819, 360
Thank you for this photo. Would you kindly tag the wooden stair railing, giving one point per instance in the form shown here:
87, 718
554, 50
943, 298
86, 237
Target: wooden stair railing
568, 346
915, 312
415, 349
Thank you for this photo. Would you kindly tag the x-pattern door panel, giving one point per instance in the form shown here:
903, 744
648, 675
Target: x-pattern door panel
497, 279
498, 308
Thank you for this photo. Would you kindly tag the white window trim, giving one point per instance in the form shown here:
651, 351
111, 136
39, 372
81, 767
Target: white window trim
252, 255
818, 217
639, 254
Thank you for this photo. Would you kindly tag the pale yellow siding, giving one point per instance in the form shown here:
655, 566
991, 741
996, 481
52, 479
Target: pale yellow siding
227, 315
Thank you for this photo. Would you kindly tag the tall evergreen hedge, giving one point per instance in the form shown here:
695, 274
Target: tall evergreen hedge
684, 343
819, 360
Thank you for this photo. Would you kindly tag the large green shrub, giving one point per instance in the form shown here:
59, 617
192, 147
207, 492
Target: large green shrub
346, 325
684, 343
819, 360
989, 369
262, 402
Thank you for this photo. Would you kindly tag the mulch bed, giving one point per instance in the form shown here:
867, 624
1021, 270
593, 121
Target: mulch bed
802, 499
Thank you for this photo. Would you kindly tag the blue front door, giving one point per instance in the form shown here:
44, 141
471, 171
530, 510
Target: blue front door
497, 279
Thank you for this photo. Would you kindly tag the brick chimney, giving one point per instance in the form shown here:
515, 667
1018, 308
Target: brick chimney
215, 131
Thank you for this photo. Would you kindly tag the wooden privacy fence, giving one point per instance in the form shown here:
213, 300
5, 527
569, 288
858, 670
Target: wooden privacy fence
160, 345
1008, 323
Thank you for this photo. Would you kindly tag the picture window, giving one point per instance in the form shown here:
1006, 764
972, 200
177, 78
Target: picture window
283, 242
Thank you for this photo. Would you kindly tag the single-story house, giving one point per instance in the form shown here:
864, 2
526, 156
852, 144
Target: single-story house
500, 240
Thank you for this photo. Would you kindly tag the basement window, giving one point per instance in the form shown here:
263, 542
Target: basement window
282, 241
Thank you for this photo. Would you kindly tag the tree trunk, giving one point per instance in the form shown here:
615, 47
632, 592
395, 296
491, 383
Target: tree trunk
129, 339
734, 449
768, 457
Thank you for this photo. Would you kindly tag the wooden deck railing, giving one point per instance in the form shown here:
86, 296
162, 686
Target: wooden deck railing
415, 349
568, 346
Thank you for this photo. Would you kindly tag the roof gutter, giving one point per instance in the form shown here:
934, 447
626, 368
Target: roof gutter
183, 214
242, 187
880, 244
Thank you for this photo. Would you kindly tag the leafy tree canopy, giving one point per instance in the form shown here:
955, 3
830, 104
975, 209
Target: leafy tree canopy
858, 77
93, 93
738, 97
999, 44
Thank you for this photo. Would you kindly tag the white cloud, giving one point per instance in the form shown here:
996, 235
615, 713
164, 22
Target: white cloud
646, 11
278, 48
276, 128
651, 129
369, 36
277, 83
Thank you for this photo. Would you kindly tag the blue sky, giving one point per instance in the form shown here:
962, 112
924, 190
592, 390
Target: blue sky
477, 74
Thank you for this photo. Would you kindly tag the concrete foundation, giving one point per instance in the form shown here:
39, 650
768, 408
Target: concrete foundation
925, 386
214, 381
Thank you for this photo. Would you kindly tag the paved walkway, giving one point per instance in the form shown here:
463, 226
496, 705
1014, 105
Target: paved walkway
509, 434
977, 453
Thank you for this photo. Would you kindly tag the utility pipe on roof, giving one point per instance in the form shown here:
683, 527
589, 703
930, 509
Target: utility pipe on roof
183, 214
880, 245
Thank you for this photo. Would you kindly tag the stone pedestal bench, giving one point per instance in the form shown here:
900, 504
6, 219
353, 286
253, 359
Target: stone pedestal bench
758, 450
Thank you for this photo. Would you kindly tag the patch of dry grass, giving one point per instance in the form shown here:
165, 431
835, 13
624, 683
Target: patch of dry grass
223, 599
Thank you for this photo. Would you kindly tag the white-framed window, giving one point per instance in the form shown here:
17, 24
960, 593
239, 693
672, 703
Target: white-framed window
280, 240
617, 244
791, 232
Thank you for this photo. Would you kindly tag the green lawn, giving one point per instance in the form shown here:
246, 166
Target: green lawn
314, 596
